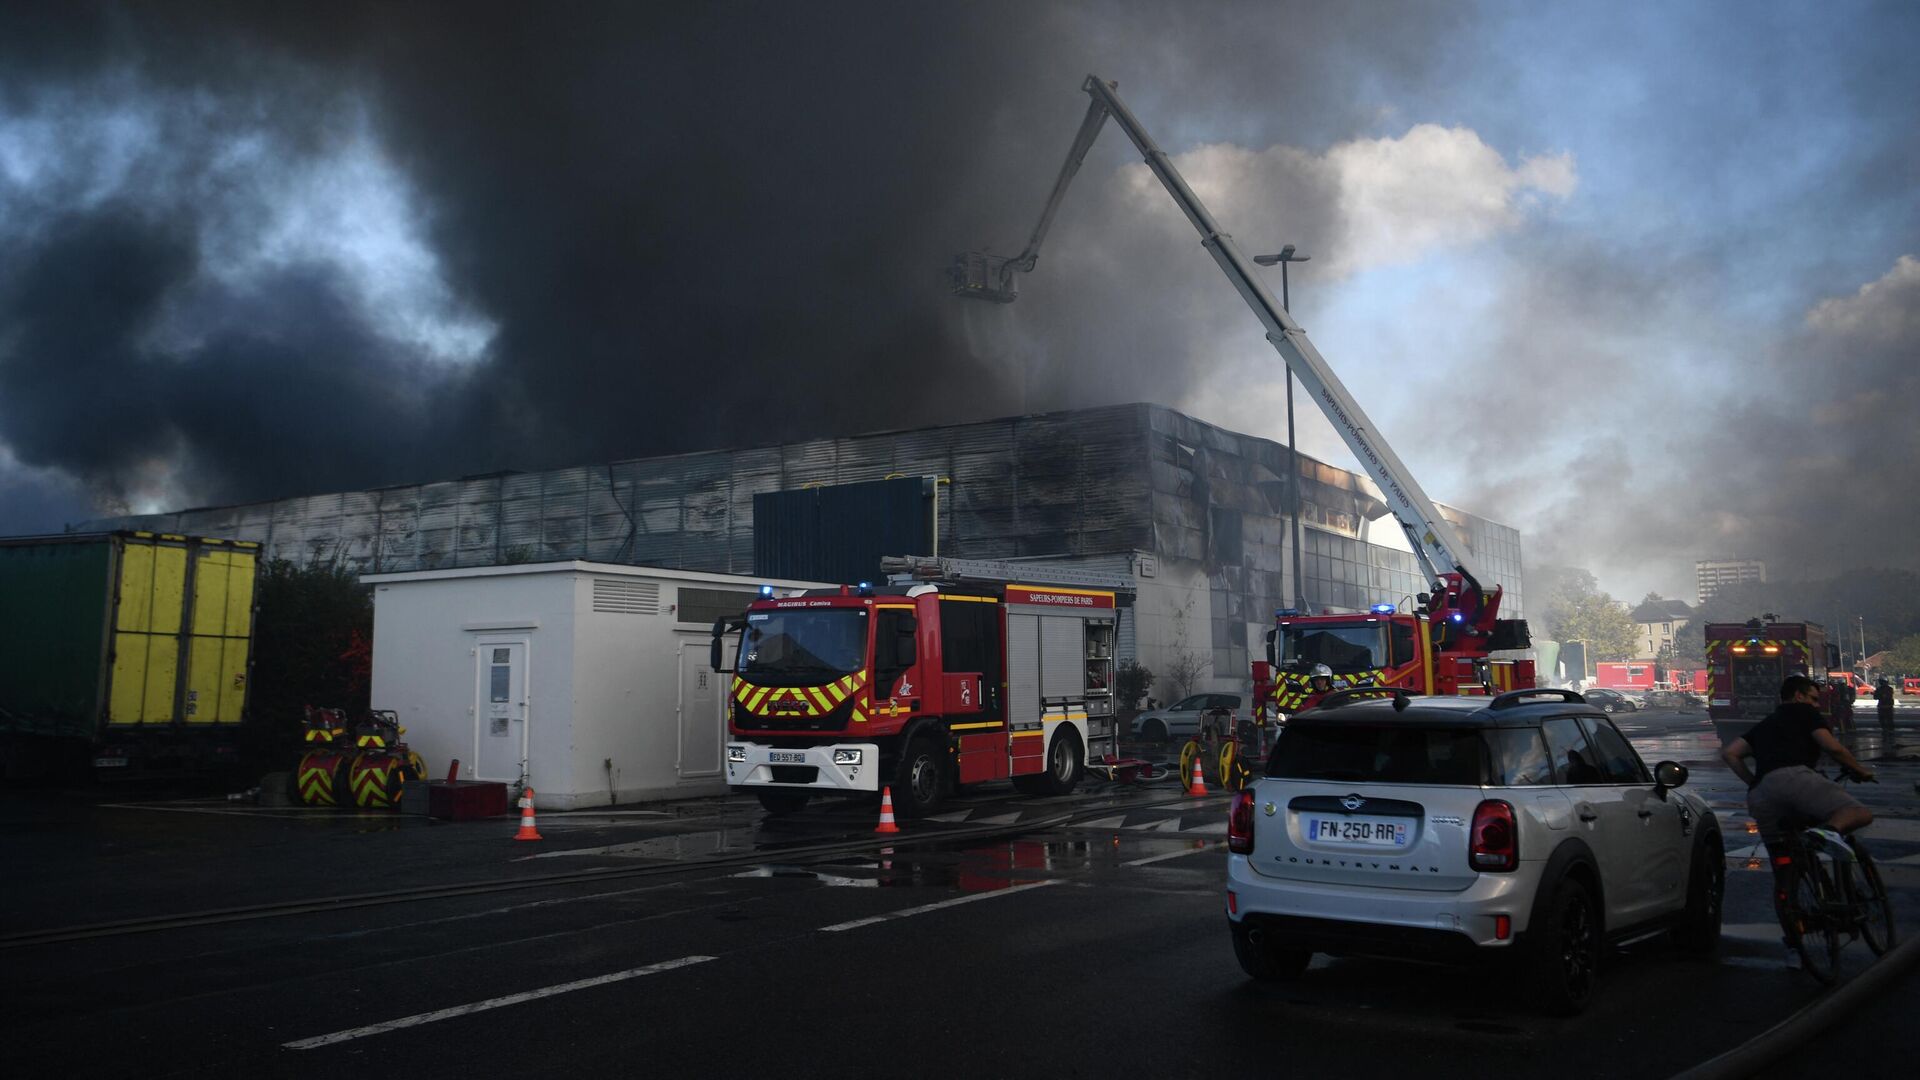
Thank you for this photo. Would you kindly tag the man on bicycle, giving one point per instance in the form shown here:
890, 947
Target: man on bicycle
1783, 788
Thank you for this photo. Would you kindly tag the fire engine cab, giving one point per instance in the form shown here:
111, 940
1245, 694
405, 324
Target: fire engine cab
945, 678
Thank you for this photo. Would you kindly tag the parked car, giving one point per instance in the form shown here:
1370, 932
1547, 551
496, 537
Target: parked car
1609, 700
1673, 700
1184, 717
1524, 830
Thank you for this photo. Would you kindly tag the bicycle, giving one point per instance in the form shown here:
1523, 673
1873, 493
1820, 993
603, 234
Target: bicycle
1837, 896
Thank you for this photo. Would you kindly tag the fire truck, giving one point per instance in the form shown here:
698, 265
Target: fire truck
1746, 663
957, 672
1444, 645
1627, 675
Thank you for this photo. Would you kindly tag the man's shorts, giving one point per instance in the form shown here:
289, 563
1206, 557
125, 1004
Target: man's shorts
1795, 793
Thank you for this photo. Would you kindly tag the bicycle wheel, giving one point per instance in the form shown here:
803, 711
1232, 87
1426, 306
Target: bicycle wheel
1870, 897
1817, 936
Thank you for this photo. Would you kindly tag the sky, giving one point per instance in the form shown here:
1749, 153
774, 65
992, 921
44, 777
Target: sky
1642, 280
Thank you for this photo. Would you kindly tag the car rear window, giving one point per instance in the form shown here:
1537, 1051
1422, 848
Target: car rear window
1387, 754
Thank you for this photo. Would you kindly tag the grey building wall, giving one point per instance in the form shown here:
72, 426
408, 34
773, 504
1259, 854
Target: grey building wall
1208, 503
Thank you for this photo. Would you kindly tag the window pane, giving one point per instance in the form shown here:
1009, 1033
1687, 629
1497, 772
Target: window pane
1617, 761
1523, 757
1398, 754
1572, 755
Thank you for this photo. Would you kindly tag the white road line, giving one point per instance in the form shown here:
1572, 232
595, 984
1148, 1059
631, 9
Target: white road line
491, 1003
924, 908
1171, 855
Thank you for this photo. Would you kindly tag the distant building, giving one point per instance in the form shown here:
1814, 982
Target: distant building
1657, 624
1195, 514
1716, 574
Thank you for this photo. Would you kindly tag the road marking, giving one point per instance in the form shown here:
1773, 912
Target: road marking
942, 905
491, 1003
1171, 855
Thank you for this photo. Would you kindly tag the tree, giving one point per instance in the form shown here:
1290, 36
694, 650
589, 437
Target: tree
1576, 610
1904, 657
310, 647
1132, 683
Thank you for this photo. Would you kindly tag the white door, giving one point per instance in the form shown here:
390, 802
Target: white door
500, 709
702, 720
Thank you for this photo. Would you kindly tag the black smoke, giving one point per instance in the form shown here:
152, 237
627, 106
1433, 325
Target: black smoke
691, 225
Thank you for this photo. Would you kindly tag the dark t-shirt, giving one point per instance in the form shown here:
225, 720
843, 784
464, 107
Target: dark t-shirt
1785, 738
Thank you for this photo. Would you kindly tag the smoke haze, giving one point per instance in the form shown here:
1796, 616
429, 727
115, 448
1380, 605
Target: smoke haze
249, 251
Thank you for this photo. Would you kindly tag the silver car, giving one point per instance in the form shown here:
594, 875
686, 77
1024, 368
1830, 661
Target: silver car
1186, 717
1524, 828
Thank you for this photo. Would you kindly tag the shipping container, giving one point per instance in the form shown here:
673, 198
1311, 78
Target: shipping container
1627, 675
137, 644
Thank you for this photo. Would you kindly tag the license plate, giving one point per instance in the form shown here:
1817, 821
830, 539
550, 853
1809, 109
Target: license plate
1375, 832
787, 757
110, 763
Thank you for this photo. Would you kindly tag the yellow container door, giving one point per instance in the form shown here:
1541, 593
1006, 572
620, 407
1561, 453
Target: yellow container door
146, 639
222, 621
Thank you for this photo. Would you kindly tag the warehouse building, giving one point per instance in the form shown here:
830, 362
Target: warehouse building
1194, 514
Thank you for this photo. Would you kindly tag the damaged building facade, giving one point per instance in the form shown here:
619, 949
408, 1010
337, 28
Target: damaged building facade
1195, 514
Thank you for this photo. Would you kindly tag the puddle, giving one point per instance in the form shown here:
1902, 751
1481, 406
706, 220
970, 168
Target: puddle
663, 848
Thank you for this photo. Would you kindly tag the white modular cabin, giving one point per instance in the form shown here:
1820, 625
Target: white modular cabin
589, 680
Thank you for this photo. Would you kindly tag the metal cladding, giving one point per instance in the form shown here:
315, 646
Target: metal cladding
1090, 484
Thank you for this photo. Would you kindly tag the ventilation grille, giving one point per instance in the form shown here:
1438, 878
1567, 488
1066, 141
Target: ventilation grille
616, 596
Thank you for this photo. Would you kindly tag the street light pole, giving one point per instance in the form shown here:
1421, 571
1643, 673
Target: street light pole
1287, 255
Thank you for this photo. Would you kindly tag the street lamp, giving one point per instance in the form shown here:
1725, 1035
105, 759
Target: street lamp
1288, 255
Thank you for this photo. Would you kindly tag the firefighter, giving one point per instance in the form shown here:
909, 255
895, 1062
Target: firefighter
1883, 702
1321, 680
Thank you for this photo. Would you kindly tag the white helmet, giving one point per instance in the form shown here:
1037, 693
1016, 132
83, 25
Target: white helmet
1321, 671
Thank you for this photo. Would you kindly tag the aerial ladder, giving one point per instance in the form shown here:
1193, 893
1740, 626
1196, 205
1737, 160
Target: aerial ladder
1462, 610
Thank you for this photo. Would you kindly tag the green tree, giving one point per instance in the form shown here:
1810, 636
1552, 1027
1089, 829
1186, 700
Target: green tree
1133, 681
1576, 610
311, 634
1904, 657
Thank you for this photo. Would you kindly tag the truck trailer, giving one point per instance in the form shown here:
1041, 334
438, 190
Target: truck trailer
921, 687
127, 650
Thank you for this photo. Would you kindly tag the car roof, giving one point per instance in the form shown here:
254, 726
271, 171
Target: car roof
1468, 713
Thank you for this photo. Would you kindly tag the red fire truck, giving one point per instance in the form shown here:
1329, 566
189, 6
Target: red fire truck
1746, 663
1443, 647
961, 673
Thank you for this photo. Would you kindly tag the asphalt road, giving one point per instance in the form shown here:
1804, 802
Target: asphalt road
1095, 946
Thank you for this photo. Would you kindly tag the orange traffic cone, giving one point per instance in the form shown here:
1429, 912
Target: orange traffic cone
527, 831
886, 812
1198, 786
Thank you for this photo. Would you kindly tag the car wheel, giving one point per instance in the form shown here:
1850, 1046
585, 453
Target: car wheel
1608, 706
1154, 731
1699, 928
1565, 951
921, 781
1264, 961
1063, 763
782, 801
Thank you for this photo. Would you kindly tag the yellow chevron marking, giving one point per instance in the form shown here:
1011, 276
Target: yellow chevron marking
837, 692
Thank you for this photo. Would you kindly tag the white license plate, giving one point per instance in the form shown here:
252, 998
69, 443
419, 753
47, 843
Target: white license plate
787, 757
109, 763
1374, 832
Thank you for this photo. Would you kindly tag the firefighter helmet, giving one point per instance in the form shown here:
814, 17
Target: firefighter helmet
1321, 671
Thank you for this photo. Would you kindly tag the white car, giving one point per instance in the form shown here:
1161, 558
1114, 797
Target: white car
1185, 717
1525, 828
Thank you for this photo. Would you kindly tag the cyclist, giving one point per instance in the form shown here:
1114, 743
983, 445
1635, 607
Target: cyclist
1782, 786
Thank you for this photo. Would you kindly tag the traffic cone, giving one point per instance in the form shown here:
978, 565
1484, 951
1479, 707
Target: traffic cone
1198, 786
527, 831
886, 812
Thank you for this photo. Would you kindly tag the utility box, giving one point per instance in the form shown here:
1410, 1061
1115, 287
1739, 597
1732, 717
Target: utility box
590, 681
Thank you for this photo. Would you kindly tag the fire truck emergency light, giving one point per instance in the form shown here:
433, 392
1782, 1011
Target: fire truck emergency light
766, 590
1383, 609
1457, 617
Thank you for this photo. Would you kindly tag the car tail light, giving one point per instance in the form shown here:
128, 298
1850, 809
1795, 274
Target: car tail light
1496, 840
1240, 824
1502, 927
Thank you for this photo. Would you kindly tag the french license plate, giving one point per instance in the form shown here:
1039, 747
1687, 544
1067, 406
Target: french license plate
1378, 832
787, 757
109, 763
